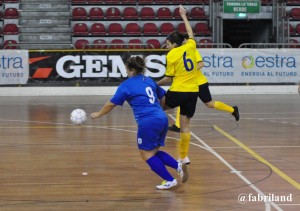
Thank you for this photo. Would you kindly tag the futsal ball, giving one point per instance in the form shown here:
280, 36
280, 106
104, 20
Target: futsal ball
78, 116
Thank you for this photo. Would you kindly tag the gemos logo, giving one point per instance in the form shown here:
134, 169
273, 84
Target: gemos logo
96, 66
276, 61
248, 62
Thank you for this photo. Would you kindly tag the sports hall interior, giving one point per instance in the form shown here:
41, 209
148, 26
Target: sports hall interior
47, 163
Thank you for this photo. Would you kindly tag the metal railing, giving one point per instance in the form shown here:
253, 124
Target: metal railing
270, 45
34, 46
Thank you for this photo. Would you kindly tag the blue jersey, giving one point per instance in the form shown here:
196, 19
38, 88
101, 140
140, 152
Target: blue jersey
142, 94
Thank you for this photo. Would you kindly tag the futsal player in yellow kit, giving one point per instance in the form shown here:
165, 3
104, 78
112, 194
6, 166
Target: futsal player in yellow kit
181, 72
205, 96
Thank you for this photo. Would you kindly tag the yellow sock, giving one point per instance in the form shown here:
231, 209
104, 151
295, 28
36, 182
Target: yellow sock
177, 123
184, 144
223, 107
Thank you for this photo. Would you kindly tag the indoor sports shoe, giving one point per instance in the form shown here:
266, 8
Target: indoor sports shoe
182, 171
236, 113
174, 128
167, 184
185, 160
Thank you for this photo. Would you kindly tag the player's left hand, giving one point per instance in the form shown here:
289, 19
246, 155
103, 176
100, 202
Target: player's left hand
94, 115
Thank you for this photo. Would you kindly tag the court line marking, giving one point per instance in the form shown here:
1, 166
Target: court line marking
258, 157
238, 173
206, 147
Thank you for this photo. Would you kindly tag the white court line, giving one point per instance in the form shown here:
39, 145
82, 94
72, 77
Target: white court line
208, 148
256, 147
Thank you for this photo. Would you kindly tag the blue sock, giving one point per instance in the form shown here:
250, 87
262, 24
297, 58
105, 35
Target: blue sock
159, 168
167, 159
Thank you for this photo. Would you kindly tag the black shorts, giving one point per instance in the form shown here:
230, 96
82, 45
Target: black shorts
187, 102
204, 93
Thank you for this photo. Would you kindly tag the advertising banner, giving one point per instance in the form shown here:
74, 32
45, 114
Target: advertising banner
220, 66
14, 67
90, 67
251, 65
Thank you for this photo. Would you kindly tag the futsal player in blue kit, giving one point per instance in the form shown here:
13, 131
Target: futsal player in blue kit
144, 96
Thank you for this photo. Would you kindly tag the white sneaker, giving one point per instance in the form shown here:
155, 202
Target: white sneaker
167, 184
185, 160
182, 171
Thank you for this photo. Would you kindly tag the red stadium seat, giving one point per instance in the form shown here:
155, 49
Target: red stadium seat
179, 1
96, 13
135, 43
164, 13
9, 44
298, 28
99, 44
166, 28
295, 14
11, 1
11, 13
146, 1
79, 13
113, 13
117, 44
98, 29
112, 1
115, 29
153, 43
202, 28
80, 29
162, 1
181, 28
10, 29
150, 29
133, 29
130, 13
79, 1
147, 13
206, 43
82, 44
197, 13
297, 45
291, 30
129, 1
176, 14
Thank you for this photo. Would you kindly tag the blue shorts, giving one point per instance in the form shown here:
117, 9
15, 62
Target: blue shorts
152, 133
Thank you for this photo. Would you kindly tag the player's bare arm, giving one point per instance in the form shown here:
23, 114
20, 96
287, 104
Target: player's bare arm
105, 109
187, 24
165, 81
200, 65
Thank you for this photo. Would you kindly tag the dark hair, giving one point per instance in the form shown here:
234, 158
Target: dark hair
137, 63
186, 36
176, 37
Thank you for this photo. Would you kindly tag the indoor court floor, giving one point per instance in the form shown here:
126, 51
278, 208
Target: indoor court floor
47, 163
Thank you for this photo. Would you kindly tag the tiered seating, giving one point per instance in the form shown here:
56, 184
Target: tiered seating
9, 15
142, 22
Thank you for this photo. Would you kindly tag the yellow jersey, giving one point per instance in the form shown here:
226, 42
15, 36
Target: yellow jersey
182, 66
200, 76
